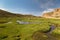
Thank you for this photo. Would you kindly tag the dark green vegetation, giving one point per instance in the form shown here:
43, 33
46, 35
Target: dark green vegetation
11, 30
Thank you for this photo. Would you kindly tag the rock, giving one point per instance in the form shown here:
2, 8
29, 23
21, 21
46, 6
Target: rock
53, 14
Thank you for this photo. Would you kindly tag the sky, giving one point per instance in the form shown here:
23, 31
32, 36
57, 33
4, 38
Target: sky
34, 7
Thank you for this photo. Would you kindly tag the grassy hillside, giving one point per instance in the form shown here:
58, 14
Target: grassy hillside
10, 29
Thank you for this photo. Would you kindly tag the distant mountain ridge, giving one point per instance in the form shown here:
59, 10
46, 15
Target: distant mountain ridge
4, 13
53, 14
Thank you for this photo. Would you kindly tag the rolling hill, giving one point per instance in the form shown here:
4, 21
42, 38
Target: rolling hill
4, 13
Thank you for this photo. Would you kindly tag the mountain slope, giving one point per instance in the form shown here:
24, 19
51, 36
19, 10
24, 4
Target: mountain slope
53, 14
9, 14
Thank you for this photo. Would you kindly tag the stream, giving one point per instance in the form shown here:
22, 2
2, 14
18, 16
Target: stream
48, 33
52, 27
50, 37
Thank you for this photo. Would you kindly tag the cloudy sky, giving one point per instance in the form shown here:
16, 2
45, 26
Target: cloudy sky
35, 7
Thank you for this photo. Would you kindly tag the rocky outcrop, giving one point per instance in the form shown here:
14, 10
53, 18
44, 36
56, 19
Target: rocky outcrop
53, 14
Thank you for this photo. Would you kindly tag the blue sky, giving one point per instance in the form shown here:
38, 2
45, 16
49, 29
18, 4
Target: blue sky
34, 7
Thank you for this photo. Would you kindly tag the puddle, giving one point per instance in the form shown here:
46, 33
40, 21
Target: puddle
22, 22
25, 22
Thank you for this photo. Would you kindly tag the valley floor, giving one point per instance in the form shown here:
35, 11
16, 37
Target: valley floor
29, 29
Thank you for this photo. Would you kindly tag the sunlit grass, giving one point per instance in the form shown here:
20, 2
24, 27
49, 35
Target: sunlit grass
25, 30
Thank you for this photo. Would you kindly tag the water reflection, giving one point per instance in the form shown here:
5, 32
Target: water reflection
25, 22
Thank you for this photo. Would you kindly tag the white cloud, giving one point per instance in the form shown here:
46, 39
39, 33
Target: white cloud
48, 10
3, 8
45, 4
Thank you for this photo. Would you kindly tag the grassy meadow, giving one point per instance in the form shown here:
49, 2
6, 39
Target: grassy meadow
16, 31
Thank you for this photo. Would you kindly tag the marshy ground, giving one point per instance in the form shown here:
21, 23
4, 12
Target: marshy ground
29, 29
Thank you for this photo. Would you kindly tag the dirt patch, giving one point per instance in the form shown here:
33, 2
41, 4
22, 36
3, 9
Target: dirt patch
39, 36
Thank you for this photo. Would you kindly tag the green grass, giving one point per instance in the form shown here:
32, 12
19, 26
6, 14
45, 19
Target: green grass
25, 31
